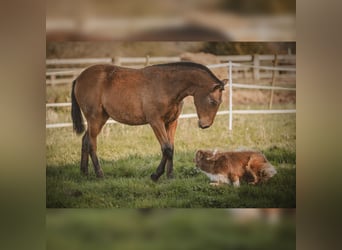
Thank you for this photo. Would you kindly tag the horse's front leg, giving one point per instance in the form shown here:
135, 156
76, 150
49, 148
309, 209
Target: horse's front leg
94, 128
161, 168
166, 148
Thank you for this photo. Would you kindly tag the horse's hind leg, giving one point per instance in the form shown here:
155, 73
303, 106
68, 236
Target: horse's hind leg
85, 154
94, 128
171, 130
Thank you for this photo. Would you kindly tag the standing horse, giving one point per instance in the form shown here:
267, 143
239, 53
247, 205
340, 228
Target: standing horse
152, 95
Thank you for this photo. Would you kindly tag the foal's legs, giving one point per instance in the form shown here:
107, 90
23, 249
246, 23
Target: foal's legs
93, 132
167, 149
89, 144
85, 154
160, 169
171, 131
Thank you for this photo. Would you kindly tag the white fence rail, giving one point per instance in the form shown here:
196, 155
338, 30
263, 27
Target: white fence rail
186, 116
229, 112
78, 61
145, 60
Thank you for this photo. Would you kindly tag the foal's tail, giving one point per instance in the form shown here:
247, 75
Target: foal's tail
76, 114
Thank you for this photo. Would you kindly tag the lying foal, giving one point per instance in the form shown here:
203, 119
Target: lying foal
231, 166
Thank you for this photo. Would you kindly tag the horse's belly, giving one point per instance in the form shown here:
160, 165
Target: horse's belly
126, 117
124, 108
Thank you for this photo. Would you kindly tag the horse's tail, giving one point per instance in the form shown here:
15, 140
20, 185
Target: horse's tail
76, 114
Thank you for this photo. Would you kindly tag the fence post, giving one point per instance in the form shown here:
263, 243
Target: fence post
53, 78
256, 71
230, 75
147, 60
117, 60
275, 63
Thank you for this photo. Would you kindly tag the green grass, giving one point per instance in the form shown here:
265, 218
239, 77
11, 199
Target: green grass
129, 154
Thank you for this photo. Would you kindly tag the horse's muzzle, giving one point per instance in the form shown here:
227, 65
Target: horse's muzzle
202, 126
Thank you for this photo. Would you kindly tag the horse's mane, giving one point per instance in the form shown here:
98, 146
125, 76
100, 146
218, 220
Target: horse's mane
188, 64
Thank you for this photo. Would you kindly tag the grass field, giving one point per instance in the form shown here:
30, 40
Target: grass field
129, 154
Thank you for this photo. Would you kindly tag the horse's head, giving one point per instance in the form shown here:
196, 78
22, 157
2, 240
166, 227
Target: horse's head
207, 101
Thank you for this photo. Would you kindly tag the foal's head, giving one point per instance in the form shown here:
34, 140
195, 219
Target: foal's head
207, 101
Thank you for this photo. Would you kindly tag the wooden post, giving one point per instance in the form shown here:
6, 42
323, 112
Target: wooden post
230, 75
256, 71
147, 60
117, 60
275, 63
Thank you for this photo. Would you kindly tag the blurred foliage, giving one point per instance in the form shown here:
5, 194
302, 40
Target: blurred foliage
177, 20
164, 229
248, 48
135, 8
112, 49
259, 6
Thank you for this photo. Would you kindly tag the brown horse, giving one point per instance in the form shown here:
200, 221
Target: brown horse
151, 95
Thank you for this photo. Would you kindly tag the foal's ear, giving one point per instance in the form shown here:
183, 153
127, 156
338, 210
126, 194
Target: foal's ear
218, 86
225, 81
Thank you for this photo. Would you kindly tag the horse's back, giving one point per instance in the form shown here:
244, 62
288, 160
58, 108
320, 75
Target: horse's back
95, 74
116, 90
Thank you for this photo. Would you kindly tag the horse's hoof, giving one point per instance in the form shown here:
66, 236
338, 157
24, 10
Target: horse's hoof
154, 177
170, 176
84, 173
99, 174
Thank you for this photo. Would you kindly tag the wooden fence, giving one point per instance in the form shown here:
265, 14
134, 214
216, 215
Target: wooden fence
63, 71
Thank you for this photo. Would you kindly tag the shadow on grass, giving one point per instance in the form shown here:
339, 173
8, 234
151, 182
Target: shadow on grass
127, 183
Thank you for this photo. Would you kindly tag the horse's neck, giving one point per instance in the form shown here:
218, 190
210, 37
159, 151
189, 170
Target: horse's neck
181, 86
184, 91
189, 87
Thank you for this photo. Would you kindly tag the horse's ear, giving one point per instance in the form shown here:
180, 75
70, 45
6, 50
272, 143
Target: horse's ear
225, 81
218, 86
